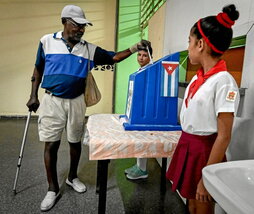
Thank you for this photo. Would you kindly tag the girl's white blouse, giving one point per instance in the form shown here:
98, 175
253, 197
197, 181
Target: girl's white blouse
219, 93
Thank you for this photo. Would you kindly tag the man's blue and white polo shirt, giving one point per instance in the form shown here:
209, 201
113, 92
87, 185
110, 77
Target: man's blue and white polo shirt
64, 70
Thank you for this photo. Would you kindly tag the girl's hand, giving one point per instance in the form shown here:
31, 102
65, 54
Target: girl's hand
202, 195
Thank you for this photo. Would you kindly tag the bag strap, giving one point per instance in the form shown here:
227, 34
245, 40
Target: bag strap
89, 68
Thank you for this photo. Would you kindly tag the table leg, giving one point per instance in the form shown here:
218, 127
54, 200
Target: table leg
103, 178
98, 177
163, 175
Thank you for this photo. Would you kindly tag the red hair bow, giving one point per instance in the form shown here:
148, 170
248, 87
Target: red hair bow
225, 20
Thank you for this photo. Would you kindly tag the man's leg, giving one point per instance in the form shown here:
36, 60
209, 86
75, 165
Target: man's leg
75, 130
75, 151
72, 180
50, 160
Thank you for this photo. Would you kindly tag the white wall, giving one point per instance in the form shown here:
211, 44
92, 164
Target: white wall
242, 145
180, 17
182, 14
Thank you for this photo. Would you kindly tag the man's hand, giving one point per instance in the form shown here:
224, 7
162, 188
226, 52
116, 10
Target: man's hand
33, 103
140, 45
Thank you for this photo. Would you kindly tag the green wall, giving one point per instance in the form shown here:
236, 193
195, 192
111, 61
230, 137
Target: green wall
128, 34
183, 66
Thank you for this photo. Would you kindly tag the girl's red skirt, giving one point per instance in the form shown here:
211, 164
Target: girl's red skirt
190, 157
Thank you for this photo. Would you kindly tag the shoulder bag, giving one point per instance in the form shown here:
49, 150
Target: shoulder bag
92, 95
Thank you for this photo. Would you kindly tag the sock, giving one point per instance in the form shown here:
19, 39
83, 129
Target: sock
142, 162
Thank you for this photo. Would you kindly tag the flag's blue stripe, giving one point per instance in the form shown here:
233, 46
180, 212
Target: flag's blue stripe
162, 81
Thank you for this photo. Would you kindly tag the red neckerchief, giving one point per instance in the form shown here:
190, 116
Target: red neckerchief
220, 66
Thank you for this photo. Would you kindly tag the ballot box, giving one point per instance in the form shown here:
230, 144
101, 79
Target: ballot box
153, 97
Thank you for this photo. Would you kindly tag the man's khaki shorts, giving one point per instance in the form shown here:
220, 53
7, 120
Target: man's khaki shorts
57, 114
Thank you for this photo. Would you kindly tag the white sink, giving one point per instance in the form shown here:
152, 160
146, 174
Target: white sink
231, 184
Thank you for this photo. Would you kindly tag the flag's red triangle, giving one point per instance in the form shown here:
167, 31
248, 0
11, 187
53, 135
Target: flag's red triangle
170, 66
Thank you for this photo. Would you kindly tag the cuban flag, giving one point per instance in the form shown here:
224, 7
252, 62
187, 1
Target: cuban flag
169, 79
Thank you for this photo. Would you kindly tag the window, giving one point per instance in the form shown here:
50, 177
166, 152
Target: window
148, 8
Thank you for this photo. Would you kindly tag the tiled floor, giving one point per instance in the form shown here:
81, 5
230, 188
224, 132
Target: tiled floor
123, 196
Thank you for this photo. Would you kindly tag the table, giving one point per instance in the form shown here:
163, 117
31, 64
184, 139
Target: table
108, 140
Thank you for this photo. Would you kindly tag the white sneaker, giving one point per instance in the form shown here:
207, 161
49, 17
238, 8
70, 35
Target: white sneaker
77, 185
49, 200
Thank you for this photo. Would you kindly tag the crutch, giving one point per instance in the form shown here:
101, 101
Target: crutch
21, 151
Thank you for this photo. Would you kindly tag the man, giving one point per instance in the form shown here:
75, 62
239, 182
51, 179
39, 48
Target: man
138, 171
62, 62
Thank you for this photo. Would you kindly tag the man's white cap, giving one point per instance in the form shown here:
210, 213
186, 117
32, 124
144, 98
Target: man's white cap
76, 13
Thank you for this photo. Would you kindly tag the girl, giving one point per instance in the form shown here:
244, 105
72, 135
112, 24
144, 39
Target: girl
207, 114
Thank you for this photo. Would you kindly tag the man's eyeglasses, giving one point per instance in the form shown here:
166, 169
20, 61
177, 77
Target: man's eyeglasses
76, 25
